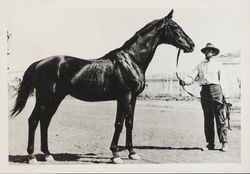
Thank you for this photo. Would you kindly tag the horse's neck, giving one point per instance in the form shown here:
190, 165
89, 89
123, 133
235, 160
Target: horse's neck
143, 48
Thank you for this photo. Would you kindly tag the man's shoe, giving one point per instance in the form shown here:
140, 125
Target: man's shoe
225, 147
210, 146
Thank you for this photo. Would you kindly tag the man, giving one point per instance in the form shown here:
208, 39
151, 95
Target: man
208, 73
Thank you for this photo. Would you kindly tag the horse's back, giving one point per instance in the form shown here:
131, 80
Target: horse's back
90, 80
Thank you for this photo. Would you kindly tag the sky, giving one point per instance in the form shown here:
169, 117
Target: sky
88, 33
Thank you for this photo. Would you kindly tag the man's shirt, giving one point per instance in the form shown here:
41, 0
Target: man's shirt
207, 72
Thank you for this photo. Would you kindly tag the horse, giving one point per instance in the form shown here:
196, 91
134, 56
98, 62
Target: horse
119, 75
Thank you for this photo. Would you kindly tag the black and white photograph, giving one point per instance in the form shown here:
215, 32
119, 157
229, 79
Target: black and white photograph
116, 86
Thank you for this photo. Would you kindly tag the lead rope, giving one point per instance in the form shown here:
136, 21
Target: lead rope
177, 61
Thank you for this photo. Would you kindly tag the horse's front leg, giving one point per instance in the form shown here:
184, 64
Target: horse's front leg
122, 112
129, 120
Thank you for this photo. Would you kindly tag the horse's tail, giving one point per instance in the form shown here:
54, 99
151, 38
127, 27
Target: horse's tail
25, 88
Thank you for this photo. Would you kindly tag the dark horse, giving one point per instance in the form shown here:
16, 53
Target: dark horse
119, 75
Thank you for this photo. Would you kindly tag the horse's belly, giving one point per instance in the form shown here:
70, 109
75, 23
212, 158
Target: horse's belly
92, 92
92, 98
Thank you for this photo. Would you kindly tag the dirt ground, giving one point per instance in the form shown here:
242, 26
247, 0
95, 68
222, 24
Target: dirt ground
164, 132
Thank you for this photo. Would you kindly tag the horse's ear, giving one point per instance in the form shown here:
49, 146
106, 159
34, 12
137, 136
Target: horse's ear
170, 15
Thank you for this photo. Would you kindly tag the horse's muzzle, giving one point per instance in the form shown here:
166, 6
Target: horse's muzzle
188, 49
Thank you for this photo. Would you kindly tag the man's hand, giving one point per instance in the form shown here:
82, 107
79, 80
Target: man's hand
182, 83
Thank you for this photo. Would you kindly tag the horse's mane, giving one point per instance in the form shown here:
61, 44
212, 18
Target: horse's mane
145, 30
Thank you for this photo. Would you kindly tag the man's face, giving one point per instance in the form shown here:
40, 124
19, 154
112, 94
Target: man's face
209, 53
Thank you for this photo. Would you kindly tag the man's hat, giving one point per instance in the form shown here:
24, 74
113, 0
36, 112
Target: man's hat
210, 46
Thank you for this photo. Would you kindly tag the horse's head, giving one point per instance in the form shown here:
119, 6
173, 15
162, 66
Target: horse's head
174, 35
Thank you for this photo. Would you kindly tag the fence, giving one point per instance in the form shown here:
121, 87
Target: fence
163, 84
168, 84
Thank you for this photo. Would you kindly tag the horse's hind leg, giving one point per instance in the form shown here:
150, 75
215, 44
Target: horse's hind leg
44, 125
47, 102
38, 112
32, 122
50, 109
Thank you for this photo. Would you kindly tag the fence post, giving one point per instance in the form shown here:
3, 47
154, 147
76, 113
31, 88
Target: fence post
171, 84
178, 88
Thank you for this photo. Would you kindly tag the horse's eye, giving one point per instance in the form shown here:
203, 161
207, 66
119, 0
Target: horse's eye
175, 26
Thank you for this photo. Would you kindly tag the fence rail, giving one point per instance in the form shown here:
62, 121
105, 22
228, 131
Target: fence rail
168, 84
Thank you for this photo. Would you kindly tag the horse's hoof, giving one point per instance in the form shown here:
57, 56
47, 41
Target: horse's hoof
134, 156
49, 158
116, 160
32, 161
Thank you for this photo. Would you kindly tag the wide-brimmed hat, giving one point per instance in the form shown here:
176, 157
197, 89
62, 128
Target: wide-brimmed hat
210, 46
